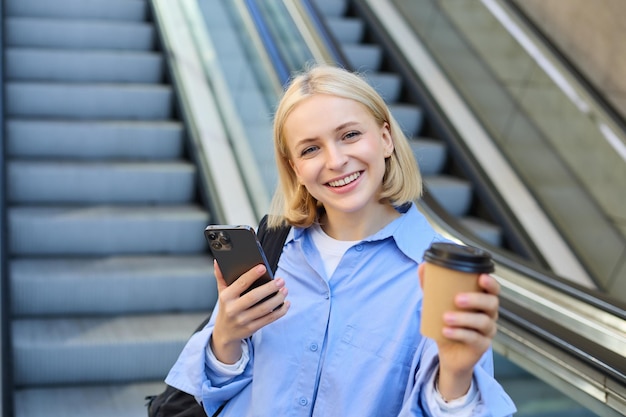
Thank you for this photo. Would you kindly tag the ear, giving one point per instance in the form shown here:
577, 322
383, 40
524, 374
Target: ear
388, 145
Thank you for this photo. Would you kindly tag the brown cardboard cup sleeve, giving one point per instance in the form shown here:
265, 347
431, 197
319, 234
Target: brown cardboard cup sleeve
449, 269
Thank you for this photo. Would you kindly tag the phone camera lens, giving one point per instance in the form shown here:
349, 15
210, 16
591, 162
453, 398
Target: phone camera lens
224, 239
216, 245
212, 235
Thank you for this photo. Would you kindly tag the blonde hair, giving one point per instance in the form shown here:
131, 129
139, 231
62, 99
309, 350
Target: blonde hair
292, 203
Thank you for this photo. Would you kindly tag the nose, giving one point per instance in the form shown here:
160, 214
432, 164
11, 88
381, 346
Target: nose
335, 157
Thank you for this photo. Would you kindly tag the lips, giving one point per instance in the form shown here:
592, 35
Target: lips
345, 180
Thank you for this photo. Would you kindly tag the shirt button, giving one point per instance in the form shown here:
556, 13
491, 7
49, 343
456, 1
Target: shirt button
327, 295
359, 248
313, 347
303, 401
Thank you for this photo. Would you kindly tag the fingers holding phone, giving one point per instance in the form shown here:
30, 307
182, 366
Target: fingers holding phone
241, 315
241, 262
249, 296
250, 291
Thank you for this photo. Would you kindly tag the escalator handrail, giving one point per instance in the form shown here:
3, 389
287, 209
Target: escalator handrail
282, 69
574, 342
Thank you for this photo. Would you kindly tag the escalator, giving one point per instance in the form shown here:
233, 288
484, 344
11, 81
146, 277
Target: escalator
228, 77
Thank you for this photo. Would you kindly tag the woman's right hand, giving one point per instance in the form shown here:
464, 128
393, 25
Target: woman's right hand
239, 316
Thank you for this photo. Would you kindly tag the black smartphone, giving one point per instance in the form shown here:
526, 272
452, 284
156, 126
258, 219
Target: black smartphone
237, 250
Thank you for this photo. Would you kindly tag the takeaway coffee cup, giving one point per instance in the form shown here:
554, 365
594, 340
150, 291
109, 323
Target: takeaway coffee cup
449, 269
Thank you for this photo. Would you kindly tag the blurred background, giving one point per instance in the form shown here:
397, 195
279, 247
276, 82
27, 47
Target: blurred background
130, 125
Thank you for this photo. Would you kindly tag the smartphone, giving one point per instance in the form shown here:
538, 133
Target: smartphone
237, 250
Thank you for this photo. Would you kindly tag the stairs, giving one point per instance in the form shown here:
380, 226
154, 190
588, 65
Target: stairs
453, 193
108, 271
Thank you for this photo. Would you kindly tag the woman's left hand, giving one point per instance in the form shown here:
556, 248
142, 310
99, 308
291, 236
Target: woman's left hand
470, 332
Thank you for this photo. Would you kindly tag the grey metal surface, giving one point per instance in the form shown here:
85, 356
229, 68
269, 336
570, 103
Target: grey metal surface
109, 273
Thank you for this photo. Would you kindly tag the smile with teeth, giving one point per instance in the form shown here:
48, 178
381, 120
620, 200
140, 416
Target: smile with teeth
345, 181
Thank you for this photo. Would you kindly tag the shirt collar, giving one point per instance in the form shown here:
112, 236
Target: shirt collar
411, 232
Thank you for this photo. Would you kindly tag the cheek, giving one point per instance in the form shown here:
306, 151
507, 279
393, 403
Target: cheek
300, 171
294, 168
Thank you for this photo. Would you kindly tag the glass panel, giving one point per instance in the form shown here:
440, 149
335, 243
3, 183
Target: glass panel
559, 151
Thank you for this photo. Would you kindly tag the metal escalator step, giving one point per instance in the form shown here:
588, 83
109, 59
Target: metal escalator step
89, 101
410, 117
93, 139
346, 30
332, 7
78, 34
489, 232
65, 182
388, 85
103, 350
132, 10
32, 64
119, 400
430, 155
363, 57
111, 285
106, 230
453, 194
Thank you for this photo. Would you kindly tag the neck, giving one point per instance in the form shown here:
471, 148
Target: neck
357, 226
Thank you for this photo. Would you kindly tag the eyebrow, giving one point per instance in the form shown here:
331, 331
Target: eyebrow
344, 125
339, 128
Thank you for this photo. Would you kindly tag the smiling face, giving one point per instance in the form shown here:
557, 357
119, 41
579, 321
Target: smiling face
338, 152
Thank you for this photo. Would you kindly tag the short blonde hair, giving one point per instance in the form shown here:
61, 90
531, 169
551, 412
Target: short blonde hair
292, 203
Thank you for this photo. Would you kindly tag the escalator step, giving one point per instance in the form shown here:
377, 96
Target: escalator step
346, 30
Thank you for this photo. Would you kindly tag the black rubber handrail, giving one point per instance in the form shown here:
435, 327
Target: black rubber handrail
588, 351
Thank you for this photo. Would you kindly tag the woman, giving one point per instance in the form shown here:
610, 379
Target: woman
346, 341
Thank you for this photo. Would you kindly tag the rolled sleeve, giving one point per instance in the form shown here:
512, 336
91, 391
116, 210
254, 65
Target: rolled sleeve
193, 375
224, 372
490, 400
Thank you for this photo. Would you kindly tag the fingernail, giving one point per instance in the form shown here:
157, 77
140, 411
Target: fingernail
279, 282
449, 318
260, 269
462, 299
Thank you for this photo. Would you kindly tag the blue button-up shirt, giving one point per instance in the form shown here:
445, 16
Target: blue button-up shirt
350, 343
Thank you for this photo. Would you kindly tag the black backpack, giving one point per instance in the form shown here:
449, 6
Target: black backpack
175, 403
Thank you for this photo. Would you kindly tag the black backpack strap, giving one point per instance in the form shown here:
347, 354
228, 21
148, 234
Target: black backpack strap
272, 241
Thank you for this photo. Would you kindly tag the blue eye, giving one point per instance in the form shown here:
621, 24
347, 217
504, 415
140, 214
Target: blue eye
351, 135
308, 150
